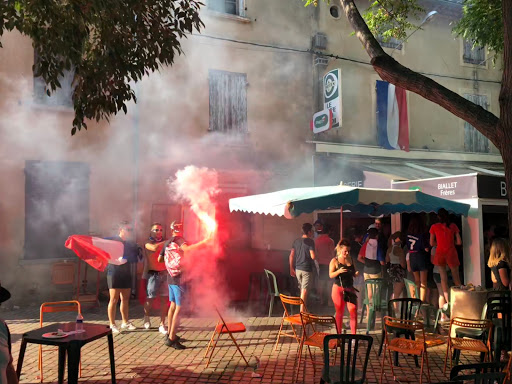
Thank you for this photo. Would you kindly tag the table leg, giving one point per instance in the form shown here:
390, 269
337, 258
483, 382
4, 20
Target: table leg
73, 362
112, 360
20, 358
62, 363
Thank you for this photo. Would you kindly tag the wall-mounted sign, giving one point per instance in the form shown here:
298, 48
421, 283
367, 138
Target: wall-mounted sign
322, 121
332, 95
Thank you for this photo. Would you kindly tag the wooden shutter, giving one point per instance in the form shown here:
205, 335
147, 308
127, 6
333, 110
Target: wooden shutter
474, 141
228, 101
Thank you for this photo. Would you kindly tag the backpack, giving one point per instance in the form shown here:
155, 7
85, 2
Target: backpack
172, 258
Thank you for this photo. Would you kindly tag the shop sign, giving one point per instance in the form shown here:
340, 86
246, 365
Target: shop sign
452, 188
492, 187
332, 95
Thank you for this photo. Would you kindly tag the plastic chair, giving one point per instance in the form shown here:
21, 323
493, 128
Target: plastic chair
477, 368
439, 312
53, 307
347, 371
406, 346
467, 344
378, 290
291, 320
315, 338
273, 291
410, 286
499, 312
408, 311
223, 328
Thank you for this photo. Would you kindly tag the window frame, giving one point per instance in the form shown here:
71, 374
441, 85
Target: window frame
483, 64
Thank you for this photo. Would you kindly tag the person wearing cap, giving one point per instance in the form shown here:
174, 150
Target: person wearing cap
7, 371
172, 253
156, 275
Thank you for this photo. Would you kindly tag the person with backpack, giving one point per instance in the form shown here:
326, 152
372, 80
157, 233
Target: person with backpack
172, 254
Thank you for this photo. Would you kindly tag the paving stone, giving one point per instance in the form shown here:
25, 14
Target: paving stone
142, 357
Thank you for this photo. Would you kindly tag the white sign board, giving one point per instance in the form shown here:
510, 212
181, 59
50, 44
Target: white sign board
332, 95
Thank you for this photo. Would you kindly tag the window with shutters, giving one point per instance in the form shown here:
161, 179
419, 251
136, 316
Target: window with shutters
474, 141
473, 54
228, 101
56, 206
231, 7
61, 97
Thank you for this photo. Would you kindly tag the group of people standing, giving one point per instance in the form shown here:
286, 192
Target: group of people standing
429, 256
163, 267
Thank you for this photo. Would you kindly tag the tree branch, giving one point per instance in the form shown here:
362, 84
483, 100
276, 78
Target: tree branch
395, 73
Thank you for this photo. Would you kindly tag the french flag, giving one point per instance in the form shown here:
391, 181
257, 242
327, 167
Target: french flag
95, 251
392, 119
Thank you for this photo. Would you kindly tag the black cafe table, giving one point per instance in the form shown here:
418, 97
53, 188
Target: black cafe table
71, 345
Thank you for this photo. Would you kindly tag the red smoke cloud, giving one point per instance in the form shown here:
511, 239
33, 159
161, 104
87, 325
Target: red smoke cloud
198, 187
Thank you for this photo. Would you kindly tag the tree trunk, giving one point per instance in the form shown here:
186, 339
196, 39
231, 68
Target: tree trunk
498, 131
505, 125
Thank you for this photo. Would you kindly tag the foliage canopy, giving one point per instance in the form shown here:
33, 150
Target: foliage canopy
110, 44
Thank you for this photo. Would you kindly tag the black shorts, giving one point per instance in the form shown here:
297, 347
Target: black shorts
119, 276
418, 261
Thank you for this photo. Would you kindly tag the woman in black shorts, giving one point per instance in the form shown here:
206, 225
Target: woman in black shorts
418, 254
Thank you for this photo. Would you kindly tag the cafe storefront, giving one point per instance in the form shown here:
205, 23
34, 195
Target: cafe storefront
487, 197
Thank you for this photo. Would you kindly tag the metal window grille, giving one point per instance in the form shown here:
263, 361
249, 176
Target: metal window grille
474, 141
61, 97
473, 55
228, 101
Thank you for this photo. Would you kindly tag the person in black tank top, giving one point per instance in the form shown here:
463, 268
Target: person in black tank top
499, 263
343, 271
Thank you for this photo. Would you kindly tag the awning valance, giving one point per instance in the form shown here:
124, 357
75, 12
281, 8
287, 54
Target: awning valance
293, 202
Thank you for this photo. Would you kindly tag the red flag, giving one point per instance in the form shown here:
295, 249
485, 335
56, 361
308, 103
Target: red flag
95, 251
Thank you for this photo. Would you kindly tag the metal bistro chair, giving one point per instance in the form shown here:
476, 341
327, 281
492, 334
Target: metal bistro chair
352, 349
273, 290
401, 345
408, 310
292, 320
223, 328
467, 344
315, 338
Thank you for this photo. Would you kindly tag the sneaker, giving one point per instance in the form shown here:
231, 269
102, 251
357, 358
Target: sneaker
168, 342
114, 328
177, 345
166, 337
129, 326
162, 329
147, 323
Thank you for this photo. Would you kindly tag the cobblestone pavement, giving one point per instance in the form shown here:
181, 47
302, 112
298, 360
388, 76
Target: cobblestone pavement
142, 357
